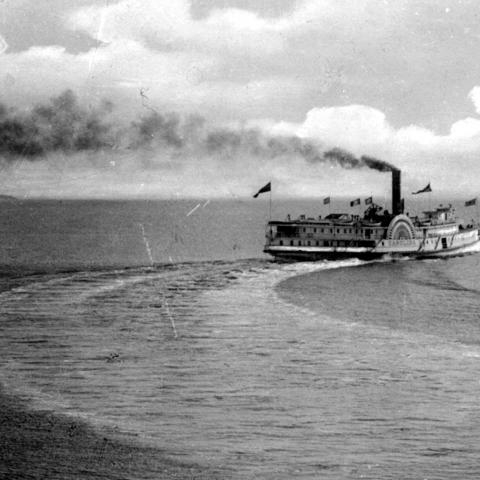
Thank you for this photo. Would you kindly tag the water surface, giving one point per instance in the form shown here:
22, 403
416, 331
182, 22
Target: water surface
335, 370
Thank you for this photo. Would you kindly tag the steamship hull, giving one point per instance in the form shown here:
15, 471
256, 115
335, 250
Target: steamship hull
375, 234
416, 248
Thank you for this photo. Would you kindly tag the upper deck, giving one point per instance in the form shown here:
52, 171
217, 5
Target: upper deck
348, 230
333, 230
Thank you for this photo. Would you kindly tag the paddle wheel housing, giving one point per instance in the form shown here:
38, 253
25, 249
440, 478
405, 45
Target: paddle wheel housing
401, 228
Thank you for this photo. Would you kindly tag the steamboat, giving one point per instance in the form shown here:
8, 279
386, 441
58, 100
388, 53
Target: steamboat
377, 233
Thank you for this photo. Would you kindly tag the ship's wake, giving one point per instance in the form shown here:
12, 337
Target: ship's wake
213, 360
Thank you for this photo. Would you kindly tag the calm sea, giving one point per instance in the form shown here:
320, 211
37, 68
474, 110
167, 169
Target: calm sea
164, 321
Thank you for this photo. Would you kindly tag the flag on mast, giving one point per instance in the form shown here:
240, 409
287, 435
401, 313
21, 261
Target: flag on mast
471, 202
369, 201
428, 188
355, 202
264, 189
326, 200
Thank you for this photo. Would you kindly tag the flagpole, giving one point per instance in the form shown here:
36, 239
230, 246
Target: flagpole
270, 207
476, 204
430, 197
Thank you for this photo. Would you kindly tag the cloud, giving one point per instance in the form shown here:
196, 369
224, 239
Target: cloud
362, 128
106, 71
468, 128
170, 26
234, 63
474, 96
134, 20
183, 81
343, 63
450, 161
246, 45
3, 45
358, 126
415, 136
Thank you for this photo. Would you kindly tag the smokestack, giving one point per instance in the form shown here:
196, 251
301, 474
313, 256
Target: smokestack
397, 204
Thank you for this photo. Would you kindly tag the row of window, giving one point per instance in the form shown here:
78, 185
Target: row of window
318, 243
330, 230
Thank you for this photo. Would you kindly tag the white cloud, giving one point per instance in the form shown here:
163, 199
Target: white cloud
474, 96
170, 26
235, 31
466, 128
110, 71
356, 126
415, 135
39, 72
180, 62
133, 19
361, 129
182, 81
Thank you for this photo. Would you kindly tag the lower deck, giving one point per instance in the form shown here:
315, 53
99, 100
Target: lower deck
419, 247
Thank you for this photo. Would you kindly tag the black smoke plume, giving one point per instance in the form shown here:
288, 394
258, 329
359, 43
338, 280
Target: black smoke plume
60, 125
348, 160
64, 125
376, 164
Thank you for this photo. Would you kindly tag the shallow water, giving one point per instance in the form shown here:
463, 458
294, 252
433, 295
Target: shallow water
310, 370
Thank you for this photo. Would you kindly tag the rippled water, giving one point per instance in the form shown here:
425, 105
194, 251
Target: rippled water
334, 370
320, 370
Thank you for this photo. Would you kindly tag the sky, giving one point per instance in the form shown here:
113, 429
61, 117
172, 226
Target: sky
396, 80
